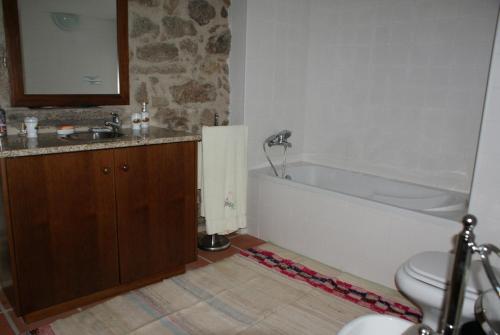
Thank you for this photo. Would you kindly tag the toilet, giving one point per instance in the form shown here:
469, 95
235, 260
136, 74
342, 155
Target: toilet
423, 279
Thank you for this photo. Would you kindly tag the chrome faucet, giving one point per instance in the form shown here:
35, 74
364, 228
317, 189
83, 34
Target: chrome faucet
115, 123
280, 138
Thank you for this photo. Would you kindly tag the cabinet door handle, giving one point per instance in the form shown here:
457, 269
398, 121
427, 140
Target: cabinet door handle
106, 170
125, 167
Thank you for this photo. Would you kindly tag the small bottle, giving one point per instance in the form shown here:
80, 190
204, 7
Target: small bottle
3, 123
144, 115
136, 121
31, 123
22, 129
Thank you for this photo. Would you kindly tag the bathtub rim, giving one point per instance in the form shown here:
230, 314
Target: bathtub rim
304, 163
261, 173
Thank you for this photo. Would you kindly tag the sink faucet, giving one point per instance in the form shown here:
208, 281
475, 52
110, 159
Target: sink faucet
115, 123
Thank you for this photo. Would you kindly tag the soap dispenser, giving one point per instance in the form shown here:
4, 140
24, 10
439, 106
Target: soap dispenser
144, 116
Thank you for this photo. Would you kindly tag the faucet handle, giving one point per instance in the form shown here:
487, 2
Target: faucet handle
115, 117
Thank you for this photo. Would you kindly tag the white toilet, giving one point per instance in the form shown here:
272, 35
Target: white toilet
423, 279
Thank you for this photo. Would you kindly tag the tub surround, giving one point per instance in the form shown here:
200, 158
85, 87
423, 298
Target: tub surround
386, 88
50, 143
364, 237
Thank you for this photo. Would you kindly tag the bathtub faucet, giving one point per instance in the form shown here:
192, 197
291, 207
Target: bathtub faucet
280, 138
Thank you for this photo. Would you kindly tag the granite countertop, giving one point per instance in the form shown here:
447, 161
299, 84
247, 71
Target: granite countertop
50, 143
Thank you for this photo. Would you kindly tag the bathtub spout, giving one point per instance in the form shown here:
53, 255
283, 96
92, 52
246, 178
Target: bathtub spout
280, 138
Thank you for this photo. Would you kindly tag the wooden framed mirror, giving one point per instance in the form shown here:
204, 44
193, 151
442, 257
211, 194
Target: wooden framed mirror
67, 53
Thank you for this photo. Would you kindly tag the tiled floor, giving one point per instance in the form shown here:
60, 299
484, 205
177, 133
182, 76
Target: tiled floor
12, 325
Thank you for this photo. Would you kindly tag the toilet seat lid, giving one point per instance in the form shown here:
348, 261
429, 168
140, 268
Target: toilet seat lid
431, 267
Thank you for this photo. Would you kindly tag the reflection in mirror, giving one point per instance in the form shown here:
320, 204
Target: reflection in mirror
69, 46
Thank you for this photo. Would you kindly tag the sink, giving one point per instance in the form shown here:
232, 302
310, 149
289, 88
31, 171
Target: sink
93, 136
376, 325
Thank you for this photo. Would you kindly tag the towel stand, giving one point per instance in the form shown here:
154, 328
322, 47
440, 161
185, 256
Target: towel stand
214, 242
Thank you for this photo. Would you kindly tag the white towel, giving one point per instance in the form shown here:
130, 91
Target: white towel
224, 178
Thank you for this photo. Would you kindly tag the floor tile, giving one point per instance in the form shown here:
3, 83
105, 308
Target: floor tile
215, 256
4, 326
246, 241
197, 264
293, 320
244, 297
22, 326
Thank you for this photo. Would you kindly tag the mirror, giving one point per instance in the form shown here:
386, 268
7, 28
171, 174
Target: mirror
67, 52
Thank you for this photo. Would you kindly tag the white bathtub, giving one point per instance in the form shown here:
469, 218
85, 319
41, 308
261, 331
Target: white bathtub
359, 223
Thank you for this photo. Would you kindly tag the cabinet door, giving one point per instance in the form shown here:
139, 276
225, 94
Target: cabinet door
155, 192
63, 219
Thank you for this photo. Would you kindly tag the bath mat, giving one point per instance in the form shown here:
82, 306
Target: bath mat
332, 285
245, 294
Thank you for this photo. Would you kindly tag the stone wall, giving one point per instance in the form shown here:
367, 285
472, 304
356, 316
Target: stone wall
178, 53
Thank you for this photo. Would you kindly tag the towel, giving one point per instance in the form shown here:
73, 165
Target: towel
224, 178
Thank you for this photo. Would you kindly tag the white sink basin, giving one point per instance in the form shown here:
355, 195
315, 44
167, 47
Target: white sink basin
375, 325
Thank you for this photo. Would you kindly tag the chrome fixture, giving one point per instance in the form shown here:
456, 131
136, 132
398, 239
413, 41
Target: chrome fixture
455, 292
115, 123
486, 310
279, 139
484, 252
214, 242
458, 282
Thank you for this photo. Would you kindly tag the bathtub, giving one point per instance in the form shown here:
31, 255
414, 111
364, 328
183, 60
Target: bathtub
358, 223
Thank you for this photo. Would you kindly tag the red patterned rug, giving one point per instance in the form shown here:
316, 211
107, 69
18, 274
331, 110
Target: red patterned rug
332, 285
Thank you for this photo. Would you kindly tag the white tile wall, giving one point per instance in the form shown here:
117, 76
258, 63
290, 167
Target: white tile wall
393, 88
485, 195
276, 57
396, 88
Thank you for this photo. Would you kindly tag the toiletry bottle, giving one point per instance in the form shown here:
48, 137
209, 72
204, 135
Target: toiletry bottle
136, 121
23, 131
144, 116
3, 123
31, 123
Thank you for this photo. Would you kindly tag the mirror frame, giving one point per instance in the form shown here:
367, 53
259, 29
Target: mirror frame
14, 62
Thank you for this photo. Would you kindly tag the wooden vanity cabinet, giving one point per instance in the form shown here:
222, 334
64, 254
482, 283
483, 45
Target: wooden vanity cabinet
62, 213
155, 193
86, 225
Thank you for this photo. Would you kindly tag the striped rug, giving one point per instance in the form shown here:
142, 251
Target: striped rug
257, 292
332, 285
